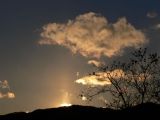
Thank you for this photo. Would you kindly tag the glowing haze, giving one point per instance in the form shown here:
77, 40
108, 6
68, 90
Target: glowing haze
65, 101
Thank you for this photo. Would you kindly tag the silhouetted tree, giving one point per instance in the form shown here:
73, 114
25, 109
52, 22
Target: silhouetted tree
145, 72
134, 82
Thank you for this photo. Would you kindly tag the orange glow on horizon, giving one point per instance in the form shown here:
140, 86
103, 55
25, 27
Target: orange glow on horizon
65, 100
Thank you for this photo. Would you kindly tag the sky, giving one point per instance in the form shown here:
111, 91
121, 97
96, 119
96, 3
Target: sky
45, 45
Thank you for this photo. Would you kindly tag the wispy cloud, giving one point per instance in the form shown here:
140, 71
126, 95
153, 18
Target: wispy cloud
152, 14
95, 63
9, 95
157, 26
5, 91
4, 84
92, 35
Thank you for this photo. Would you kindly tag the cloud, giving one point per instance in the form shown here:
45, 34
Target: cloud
5, 91
93, 81
101, 78
4, 84
92, 35
95, 63
157, 27
9, 95
152, 14
104, 78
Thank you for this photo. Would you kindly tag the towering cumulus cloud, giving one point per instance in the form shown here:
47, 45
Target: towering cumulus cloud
92, 35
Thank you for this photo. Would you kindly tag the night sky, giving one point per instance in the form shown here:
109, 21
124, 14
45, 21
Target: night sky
38, 71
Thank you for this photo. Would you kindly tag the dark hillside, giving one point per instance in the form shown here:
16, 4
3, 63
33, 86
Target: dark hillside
76, 111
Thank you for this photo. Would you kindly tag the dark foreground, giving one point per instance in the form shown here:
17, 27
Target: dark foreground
149, 110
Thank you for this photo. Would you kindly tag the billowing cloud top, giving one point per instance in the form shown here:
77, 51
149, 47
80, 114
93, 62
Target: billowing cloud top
92, 35
5, 91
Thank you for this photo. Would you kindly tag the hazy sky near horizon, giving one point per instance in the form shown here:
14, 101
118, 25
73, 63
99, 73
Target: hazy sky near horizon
44, 43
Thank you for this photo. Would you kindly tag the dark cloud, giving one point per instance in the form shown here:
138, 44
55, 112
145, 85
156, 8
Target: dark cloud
152, 14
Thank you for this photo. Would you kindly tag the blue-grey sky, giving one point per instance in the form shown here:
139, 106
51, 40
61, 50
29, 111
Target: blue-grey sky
41, 75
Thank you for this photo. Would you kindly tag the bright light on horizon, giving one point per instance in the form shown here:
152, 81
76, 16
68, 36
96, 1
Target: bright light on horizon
65, 104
